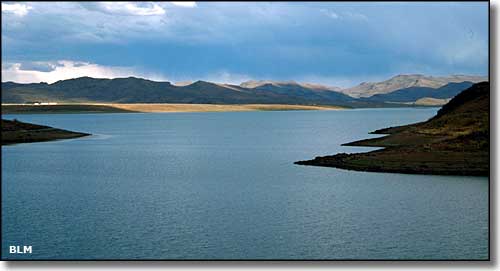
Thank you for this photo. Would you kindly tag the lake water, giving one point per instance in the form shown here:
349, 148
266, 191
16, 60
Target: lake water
224, 186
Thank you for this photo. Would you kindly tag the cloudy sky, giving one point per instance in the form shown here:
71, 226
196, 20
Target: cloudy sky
334, 43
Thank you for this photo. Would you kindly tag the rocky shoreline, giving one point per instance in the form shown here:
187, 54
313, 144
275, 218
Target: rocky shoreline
14, 132
454, 142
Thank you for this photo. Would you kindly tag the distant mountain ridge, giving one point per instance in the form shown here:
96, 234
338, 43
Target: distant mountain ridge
412, 94
368, 89
138, 90
255, 84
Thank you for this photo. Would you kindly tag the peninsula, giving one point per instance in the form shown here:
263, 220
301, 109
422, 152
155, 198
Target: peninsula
454, 142
14, 131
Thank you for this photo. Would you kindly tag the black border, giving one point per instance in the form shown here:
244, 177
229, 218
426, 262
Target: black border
476, 262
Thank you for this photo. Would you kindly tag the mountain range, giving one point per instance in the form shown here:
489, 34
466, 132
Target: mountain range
138, 90
367, 89
413, 94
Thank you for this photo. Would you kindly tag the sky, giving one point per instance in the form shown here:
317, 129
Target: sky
331, 43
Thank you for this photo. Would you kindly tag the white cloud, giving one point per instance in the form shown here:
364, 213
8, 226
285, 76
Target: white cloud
220, 77
330, 14
225, 77
16, 9
127, 8
342, 81
66, 69
467, 51
354, 16
184, 4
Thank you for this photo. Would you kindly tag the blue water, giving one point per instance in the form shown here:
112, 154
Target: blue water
224, 186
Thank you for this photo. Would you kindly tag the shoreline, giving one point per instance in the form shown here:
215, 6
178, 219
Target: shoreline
82, 108
405, 150
453, 142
